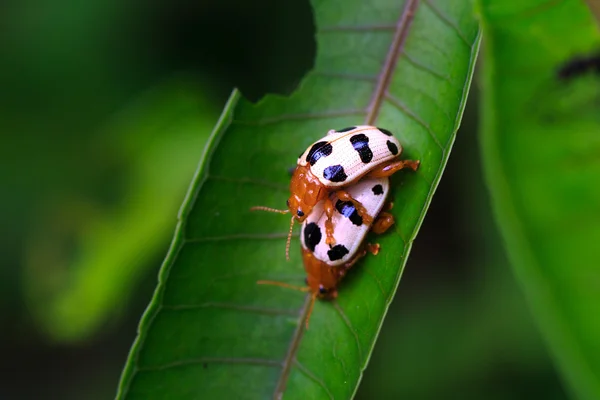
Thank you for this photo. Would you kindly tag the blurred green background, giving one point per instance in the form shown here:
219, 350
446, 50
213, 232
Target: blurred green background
105, 107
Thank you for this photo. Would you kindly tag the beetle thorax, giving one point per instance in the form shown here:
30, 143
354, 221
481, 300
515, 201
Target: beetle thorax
320, 277
305, 192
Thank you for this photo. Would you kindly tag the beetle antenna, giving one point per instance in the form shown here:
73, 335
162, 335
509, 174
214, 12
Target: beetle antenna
269, 209
285, 285
289, 240
310, 309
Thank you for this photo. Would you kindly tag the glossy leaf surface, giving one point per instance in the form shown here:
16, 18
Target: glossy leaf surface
210, 331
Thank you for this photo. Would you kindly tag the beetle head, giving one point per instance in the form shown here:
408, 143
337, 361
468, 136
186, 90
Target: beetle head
305, 192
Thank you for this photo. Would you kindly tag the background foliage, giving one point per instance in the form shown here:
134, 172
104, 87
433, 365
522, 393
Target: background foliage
540, 144
102, 106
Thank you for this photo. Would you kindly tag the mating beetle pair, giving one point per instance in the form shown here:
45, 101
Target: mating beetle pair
338, 190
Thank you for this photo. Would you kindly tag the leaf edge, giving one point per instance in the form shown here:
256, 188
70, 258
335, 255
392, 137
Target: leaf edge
177, 243
435, 184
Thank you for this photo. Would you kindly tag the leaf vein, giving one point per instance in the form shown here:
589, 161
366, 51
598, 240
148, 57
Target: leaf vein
292, 349
350, 327
389, 66
433, 101
176, 245
444, 18
426, 68
248, 180
301, 116
402, 107
213, 360
312, 376
377, 281
340, 359
358, 28
400, 235
238, 307
241, 236
344, 75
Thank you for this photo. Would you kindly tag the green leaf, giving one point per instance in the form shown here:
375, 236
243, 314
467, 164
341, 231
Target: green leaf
210, 331
541, 144
471, 314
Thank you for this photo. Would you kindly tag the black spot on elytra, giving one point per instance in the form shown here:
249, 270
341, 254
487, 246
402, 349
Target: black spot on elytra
360, 143
312, 236
346, 129
337, 252
392, 147
335, 173
385, 132
318, 150
347, 209
377, 190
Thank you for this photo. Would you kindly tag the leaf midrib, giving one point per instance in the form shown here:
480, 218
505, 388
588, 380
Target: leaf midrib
402, 29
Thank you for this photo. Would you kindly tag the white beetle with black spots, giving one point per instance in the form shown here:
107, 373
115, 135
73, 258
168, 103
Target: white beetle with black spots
350, 228
326, 264
336, 162
346, 155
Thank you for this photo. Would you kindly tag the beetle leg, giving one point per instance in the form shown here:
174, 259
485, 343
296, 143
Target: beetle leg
329, 222
392, 167
372, 248
383, 222
360, 254
360, 209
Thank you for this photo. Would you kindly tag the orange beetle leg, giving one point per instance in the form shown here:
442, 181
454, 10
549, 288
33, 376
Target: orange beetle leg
383, 222
392, 167
373, 248
329, 222
360, 209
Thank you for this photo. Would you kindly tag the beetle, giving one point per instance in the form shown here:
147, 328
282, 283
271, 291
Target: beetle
335, 162
326, 264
